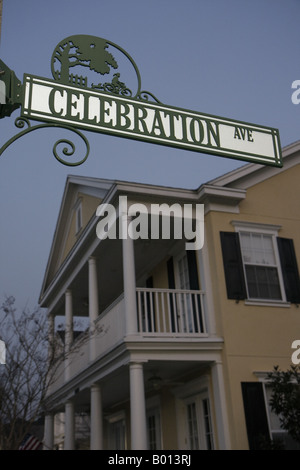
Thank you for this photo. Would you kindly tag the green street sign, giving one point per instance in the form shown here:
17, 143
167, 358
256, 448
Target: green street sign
47, 100
74, 101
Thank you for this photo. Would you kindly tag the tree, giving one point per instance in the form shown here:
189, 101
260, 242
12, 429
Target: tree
32, 365
85, 51
285, 398
27, 373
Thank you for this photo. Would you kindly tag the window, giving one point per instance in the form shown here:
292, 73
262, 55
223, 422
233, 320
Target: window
259, 265
194, 415
199, 427
278, 435
262, 424
184, 302
193, 433
183, 275
153, 429
117, 432
207, 424
78, 216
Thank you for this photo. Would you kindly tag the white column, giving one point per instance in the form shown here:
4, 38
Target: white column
96, 418
220, 406
129, 278
68, 331
93, 304
49, 432
69, 426
137, 407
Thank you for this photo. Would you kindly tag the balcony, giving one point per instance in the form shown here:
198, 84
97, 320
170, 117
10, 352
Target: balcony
162, 314
170, 312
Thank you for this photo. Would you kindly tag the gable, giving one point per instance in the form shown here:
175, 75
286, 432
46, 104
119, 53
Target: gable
80, 191
83, 210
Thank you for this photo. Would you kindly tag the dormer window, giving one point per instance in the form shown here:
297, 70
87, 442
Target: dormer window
78, 216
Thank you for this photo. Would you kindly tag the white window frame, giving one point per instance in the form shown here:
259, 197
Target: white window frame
198, 400
153, 408
112, 420
193, 392
263, 229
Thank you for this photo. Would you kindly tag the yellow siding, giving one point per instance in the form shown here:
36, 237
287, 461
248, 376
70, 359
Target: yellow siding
256, 337
89, 206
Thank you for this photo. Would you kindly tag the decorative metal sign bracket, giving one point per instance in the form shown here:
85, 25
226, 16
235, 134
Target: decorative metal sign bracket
79, 96
73, 52
68, 150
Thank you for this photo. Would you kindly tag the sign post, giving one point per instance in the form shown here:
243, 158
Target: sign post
69, 100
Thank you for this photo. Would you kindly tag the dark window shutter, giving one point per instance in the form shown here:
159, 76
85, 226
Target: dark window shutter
171, 277
255, 414
289, 269
193, 269
233, 265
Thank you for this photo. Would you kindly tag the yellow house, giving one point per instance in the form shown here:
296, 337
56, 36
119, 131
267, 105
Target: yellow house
178, 341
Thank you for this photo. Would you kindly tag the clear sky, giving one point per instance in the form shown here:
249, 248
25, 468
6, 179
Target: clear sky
229, 58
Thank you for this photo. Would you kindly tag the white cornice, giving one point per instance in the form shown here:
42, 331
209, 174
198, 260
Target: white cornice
253, 173
220, 198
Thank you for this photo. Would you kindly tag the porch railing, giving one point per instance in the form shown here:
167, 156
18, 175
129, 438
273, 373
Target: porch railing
170, 311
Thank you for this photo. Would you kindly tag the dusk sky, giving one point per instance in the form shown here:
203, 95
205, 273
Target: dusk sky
235, 59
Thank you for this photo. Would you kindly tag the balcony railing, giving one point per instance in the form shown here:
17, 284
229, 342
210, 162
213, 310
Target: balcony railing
161, 313
170, 311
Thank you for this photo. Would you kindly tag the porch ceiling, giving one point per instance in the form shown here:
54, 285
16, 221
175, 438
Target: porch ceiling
115, 387
148, 253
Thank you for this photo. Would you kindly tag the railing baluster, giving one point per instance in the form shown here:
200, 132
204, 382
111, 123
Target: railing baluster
176, 311
139, 311
168, 311
196, 303
186, 313
202, 315
145, 311
152, 320
180, 312
162, 300
156, 313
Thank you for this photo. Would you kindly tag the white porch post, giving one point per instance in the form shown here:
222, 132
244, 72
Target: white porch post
220, 406
93, 304
137, 407
96, 441
69, 426
68, 331
129, 278
49, 432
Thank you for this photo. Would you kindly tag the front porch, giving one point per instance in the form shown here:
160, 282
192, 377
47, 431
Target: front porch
145, 311
131, 396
